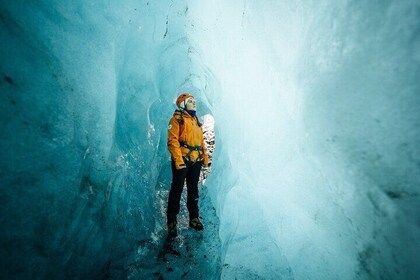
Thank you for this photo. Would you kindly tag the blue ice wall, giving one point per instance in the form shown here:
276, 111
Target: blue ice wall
87, 90
320, 178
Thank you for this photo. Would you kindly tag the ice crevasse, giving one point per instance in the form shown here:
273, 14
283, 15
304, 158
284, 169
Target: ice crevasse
316, 105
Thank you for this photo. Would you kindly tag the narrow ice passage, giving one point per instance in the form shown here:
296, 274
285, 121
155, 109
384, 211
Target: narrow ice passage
316, 170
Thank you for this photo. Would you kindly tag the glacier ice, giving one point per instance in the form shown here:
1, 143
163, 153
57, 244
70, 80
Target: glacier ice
316, 167
323, 99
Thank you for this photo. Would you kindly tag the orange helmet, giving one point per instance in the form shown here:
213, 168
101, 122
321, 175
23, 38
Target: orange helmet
182, 98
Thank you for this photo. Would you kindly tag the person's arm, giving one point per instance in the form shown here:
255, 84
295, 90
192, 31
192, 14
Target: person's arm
173, 143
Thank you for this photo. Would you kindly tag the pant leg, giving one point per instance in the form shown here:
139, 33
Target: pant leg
193, 176
178, 179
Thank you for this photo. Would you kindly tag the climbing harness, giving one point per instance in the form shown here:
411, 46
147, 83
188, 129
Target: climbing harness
191, 149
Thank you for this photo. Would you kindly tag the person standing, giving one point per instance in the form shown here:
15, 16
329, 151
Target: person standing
188, 155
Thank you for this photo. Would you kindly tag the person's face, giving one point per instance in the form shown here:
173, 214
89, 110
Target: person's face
191, 104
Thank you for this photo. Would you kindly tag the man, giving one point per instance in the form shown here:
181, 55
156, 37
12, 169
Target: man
188, 153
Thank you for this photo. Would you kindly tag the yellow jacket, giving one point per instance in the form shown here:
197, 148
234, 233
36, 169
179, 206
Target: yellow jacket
189, 133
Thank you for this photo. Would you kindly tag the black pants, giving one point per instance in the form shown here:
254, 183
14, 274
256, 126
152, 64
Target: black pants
192, 174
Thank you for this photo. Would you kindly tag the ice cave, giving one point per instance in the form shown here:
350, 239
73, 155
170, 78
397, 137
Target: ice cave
316, 166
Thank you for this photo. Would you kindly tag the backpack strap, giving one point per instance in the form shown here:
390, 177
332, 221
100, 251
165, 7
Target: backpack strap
181, 123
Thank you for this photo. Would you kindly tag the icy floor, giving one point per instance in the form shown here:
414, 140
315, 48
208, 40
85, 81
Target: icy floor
191, 255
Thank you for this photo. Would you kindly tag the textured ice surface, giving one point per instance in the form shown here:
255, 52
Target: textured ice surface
316, 104
317, 167
87, 90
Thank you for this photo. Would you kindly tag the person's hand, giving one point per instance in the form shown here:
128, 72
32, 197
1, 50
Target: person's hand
180, 166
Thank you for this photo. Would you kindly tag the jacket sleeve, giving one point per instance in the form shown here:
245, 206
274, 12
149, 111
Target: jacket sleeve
173, 143
205, 154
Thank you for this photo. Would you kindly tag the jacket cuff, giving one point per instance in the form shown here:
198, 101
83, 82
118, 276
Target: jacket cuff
179, 164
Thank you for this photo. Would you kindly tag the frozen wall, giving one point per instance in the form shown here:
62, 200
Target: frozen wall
87, 90
316, 170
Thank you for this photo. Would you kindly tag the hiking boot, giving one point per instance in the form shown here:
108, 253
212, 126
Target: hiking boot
172, 232
196, 224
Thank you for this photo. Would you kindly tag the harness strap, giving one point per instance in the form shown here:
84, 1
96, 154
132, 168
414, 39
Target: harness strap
191, 149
